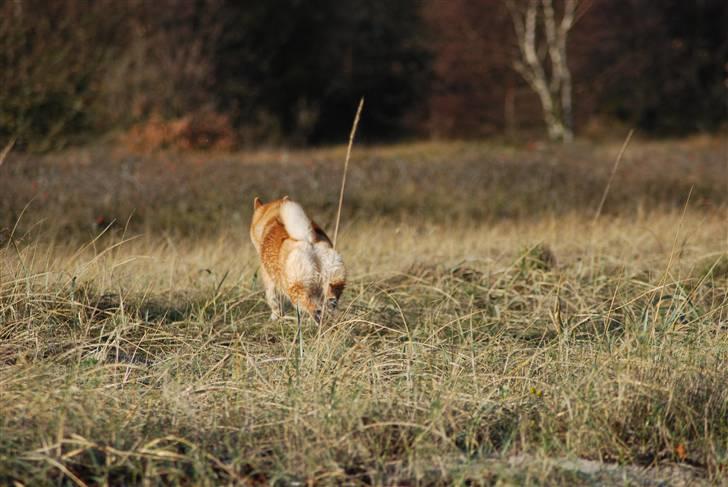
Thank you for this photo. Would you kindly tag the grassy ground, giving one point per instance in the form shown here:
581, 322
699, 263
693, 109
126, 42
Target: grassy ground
193, 194
516, 341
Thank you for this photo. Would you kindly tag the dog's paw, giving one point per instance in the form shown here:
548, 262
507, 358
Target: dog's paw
274, 316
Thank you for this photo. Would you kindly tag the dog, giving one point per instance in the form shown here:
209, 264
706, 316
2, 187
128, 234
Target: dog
297, 259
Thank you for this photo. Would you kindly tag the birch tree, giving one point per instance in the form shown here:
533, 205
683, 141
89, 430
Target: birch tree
542, 61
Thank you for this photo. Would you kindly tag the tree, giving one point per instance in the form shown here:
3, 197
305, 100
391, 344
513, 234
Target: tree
542, 59
53, 57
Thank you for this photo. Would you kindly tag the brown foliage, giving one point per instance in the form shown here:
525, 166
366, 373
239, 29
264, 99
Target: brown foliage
475, 90
205, 129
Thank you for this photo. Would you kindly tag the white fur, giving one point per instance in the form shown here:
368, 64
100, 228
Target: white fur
301, 265
330, 263
297, 224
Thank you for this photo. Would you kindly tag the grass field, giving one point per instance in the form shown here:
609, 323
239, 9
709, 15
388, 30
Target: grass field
494, 331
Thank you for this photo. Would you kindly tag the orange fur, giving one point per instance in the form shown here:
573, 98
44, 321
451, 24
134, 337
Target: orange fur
310, 273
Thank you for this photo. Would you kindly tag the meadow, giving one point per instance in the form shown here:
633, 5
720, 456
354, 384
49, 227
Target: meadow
497, 329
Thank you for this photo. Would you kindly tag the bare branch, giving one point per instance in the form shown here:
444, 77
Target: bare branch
517, 20
548, 21
567, 21
553, 44
529, 37
6, 150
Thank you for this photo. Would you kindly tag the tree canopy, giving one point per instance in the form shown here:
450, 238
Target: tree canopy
292, 71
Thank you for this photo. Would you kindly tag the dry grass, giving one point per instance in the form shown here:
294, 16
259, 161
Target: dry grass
190, 194
464, 351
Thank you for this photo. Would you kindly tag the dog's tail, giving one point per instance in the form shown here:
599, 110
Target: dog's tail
297, 224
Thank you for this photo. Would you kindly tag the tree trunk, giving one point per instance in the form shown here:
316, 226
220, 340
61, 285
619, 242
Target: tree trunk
554, 93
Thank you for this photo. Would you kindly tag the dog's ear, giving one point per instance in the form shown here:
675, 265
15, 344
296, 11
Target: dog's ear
285, 198
257, 203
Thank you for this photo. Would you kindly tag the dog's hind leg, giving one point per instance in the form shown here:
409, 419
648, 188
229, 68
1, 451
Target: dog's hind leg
271, 295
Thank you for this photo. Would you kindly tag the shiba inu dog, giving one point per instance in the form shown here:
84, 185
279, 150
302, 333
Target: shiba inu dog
297, 259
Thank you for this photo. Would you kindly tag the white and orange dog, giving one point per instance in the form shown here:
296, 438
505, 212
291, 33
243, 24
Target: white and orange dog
297, 259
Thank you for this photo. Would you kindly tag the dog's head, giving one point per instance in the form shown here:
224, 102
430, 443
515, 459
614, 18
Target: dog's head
328, 302
334, 276
262, 213
333, 294
258, 203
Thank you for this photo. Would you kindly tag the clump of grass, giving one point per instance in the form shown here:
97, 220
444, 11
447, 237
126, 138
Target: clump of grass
539, 256
714, 267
